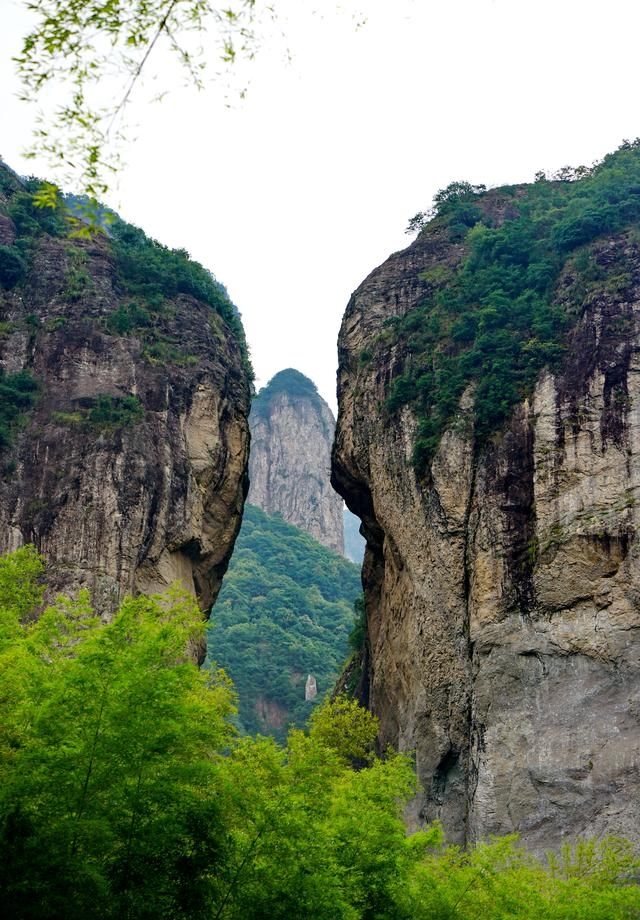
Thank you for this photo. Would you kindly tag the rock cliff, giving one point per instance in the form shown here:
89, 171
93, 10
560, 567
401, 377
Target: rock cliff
502, 576
289, 466
124, 451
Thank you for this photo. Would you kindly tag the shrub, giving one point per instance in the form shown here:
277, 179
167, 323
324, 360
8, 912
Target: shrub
115, 412
127, 318
13, 266
18, 394
32, 221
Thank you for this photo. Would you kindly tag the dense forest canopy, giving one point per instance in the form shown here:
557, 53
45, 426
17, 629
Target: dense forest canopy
125, 792
492, 318
285, 611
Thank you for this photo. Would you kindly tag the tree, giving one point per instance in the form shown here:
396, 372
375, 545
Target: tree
418, 222
499, 880
345, 727
97, 50
79, 44
454, 192
125, 793
313, 837
111, 803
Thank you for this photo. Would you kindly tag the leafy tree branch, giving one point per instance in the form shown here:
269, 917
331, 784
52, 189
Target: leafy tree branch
76, 46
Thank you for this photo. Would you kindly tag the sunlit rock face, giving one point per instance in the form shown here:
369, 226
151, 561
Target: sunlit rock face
502, 588
289, 467
121, 506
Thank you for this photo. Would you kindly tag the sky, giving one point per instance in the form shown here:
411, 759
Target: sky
294, 193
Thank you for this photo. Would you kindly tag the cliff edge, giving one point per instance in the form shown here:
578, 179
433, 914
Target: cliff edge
501, 573
125, 396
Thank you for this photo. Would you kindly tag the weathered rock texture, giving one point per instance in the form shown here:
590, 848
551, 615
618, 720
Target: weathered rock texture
292, 431
503, 590
121, 508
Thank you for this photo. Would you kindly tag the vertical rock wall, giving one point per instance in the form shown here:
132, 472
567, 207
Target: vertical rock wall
120, 505
289, 467
502, 589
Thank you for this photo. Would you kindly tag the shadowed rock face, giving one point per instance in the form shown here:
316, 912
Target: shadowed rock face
121, 507
289, 467
502, 589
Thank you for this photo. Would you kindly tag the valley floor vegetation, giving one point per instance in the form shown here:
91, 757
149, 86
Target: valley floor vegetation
125, 792
285, 610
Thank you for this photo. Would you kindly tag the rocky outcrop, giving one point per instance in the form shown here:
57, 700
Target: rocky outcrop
291, 435
502, 586
128, 473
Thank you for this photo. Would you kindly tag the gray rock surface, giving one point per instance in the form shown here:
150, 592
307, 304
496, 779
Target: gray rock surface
503, 590
292, 431
121, 508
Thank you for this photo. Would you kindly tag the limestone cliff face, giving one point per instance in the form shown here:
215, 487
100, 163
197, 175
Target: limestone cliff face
129, 471
503, 587
289, 467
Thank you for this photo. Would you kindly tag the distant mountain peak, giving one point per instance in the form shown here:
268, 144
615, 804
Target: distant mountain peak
288, 382
292, 431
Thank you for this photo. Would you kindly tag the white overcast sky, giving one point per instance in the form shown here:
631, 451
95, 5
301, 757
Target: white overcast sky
294, 194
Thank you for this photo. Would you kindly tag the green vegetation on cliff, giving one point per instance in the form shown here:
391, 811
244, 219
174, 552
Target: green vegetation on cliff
285, 611
154, 273
18, 394
105, 412
492, 318
289, 381
126, 793
31, 224
149, 276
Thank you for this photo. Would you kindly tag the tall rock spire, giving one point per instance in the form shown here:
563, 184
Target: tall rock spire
291, 435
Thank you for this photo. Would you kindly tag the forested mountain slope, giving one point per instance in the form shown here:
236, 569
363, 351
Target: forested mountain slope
285, 611
488, 437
